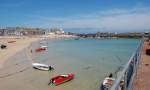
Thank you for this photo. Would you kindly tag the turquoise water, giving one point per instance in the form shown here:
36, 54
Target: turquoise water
89, 59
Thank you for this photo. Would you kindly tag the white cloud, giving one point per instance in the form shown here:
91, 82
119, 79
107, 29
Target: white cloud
130, 22
116, 19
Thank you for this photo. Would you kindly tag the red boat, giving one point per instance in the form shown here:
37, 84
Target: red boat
61, 79
40, 49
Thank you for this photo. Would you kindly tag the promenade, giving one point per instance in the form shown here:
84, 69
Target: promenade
142, 80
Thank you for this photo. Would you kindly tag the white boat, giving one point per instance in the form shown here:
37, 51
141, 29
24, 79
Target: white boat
42, 66
107, 82
44, 46
43, 42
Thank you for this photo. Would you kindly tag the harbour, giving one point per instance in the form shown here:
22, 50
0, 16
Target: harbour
68, 55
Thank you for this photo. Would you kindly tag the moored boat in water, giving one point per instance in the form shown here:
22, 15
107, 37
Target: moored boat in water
61, 79
107, 82
43, 67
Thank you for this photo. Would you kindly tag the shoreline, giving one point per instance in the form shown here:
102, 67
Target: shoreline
13, 48
18, 68
21, 42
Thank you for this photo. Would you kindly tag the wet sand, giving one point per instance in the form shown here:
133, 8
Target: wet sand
21, 43
16, 72
142, 80
12, 48
18, 75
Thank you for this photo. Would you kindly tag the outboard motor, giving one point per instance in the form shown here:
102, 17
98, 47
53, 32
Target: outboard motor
51, 68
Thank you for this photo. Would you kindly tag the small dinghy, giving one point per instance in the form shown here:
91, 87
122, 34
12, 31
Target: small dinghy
40, 49
107, 82
61, 79
43, 42
11, 41
3, 46
44, 46
42, 66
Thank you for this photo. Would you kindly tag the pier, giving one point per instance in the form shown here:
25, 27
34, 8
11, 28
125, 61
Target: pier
142, 79
131, 72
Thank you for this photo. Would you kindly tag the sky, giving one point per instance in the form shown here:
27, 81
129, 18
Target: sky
77, 15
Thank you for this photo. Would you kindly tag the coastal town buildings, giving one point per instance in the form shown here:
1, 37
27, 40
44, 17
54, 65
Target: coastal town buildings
20, 31
57, 31
24, 31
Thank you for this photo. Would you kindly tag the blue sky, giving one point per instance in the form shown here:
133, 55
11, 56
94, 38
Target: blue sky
77, 15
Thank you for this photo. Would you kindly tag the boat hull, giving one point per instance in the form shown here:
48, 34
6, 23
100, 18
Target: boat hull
3, 46
41, 66
11, 41
40, 49
107, 83
61, 79
44, 46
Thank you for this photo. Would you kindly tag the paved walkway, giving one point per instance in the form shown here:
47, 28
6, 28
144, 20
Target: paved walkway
142, 80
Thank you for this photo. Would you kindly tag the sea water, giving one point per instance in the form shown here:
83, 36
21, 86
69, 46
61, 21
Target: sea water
91, 60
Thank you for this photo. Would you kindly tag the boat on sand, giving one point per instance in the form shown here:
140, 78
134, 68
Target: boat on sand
11, 41
3, 46
40, 49
44, 46
43, 67
43, 42
61, 79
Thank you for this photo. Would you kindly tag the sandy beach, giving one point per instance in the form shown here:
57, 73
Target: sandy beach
20, 43
15, 63
13, 48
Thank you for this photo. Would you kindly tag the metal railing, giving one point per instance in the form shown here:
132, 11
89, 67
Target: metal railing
125, 80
